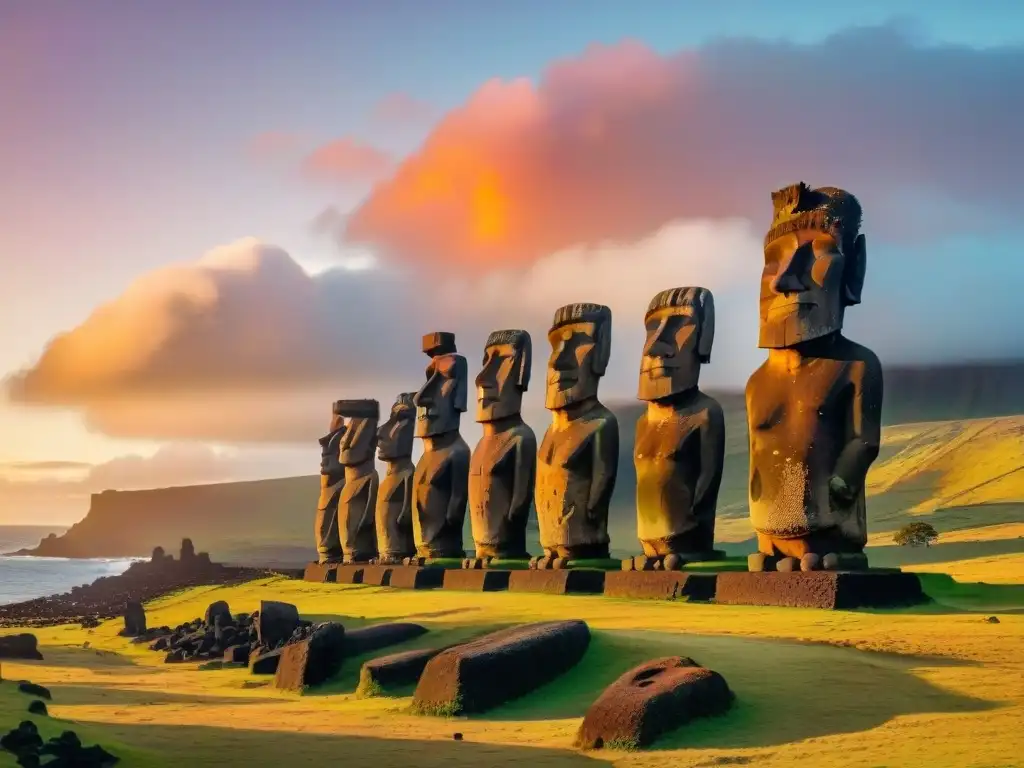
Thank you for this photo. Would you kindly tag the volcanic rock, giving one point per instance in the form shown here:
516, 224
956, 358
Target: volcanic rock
23, 646
367, 639
313, 660
276, 622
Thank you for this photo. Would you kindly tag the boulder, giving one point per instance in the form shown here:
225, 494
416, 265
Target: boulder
265, 663
367, 639
311, 661
134, 619
499, 667
394, 670
650, 700
23, 646
276, 622
38, 707
34, 690
218, 610
175, 656
24, 738
236, 654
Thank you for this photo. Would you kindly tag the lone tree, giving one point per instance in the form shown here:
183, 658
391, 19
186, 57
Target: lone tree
916, 534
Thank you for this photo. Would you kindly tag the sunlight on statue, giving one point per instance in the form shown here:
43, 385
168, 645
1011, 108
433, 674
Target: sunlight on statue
356, 526
394, 497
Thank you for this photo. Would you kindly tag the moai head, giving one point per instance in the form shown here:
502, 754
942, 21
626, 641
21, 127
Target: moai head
329, 442
508, 357
680, 332
360, 436
814, 263
394, 438
581, 343
441, 400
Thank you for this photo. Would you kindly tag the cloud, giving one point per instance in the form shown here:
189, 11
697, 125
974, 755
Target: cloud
401, 109
615, 143
44, 466
346, 161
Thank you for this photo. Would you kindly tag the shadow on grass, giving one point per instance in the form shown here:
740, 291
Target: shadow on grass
785, 691
74, 694
972, 596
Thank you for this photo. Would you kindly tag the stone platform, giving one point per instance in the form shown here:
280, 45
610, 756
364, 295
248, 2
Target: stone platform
841, 590
416, 577
321, 573
476, 580
378, 575
562, 581
660, 585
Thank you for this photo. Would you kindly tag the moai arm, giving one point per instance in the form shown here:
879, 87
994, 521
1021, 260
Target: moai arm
712, 451
865, 429
371, 501
407, 500
523, 474
460, 490
606, 464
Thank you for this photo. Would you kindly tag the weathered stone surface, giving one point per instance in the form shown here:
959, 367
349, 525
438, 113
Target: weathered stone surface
265, 663
236, 654
313, 660
394, 670
218, 610
476, 580
332, 482
377, 575
820, 589
367, 639
348, 574
416, 577
276, 622
320, 573
499, 667
358, 500
393, 514
134, 619
22, 646
660, 585
557, 582
650, 700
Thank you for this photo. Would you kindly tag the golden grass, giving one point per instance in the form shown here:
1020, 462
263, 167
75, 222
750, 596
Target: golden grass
814, 687
997, 569
997, 532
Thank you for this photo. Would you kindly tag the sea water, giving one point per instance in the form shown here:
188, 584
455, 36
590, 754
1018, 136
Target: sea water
25, 578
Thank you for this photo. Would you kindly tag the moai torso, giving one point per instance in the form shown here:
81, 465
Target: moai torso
440, 488
806, 424
678, 455
332, 480
501, 482
576, 468
356, 507
394, 512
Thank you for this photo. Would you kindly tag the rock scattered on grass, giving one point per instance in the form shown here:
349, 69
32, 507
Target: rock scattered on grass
38, 707
32, 689
23, 646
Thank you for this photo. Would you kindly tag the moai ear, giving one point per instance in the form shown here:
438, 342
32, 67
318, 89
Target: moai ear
604, 344
461, 383
706, 339
525, 357
855, 269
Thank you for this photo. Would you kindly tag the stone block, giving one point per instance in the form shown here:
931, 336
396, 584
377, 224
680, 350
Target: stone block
378, 575
660, 585
557, 581
841, 590
476, 580
417, 577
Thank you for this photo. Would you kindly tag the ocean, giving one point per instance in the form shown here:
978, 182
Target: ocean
25, 578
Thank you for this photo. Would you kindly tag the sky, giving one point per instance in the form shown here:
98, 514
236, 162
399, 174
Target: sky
216, 218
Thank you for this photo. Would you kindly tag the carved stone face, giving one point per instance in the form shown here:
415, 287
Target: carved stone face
394, 438
359, 440
505, 375
803, 287
671, 362
575, 366
442, 398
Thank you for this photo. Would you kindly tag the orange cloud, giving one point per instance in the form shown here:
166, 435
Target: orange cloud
346, 161
614, 144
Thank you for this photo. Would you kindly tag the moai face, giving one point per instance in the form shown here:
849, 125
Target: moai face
394, 438
680, 326
814, 263
329, 442
505, 375
360, 436
581, 340
441, 400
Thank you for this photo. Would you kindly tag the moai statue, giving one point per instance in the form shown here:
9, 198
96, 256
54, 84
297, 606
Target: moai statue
394, 498
579, 455
332, 480
680, 439
356, 506
442, 473
504, 462
814, 407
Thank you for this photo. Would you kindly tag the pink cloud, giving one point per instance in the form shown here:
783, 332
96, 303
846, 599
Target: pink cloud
346, 161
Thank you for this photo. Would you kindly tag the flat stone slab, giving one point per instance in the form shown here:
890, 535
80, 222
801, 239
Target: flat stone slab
311, 661
504, 665
320, 573
841, 590
416, 577
349, 574
393, 671
651, 700
373, 638
660, 585
378, 575
476, 580
265, 663
557, 581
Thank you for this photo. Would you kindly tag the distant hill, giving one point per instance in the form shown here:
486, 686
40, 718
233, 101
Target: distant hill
953, 449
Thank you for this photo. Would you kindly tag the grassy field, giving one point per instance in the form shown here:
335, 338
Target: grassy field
935, 686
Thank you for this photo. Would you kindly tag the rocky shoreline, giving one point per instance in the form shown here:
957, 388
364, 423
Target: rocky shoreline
106, 597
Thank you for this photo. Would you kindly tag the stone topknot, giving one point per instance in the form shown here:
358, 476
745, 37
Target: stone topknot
404, 402
357, 409
583, 312
828, 209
